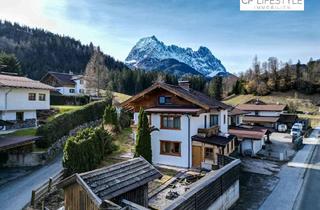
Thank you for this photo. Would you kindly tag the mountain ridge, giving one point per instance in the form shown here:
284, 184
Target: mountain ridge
201, 60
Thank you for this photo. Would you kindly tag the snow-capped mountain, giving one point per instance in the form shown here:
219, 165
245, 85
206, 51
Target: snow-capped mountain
150, 54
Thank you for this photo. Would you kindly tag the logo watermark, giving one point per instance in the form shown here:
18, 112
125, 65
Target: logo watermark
271, 5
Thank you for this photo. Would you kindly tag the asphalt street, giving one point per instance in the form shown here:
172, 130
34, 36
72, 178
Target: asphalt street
17, 193
309, 197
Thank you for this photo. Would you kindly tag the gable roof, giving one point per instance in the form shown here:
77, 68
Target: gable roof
262, 107
62, 78
191, 95
22, 82
109, 182
250, 132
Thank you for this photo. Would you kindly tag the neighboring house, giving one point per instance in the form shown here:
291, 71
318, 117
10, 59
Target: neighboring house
261, 113
251, 138
110, 187
66, 84
193, 128
20, 98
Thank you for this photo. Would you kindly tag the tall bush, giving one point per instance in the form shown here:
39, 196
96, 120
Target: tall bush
110, 115
61, 125
85, 151
143, 141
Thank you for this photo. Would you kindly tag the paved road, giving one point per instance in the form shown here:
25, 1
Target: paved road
308, 197
291, 178
16, 194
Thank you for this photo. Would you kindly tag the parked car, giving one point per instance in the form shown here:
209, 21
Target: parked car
296, 129
282, 128
312, 136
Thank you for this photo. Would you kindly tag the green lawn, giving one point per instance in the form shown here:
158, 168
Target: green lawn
62, 109
23, 132
65, 108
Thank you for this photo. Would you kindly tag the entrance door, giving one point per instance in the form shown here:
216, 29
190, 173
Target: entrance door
196, 156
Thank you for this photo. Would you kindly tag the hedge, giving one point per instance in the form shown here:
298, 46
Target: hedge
85, 151
61, 125
68, 100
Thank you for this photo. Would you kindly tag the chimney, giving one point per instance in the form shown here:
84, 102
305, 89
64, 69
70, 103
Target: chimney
184, 84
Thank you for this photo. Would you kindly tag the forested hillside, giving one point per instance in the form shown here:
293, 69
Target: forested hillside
33, 52
274, 75
39, 51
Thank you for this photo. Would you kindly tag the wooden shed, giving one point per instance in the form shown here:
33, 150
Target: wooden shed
101, 188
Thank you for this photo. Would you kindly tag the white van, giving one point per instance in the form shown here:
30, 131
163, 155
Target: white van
296, 129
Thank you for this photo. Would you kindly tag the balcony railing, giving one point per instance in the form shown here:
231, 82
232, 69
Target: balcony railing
208, 132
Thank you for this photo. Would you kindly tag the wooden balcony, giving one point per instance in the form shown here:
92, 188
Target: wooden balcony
208, 132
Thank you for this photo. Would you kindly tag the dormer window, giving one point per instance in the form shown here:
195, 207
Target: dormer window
163, 100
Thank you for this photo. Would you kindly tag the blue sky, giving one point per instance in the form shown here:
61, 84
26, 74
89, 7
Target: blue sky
233, 36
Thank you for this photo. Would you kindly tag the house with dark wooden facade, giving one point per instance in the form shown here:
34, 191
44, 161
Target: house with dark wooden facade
65, 83
192, 127
109, 187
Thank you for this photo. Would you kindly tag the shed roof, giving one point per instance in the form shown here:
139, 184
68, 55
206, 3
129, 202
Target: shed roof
191, 95
9, 142
22, 82
109, 182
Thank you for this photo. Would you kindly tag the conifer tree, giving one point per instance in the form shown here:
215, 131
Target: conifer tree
110, 115
143, 140
9, 63
215, 88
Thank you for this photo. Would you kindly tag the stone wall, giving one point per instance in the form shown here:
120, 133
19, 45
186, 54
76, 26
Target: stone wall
28, 123
57, 147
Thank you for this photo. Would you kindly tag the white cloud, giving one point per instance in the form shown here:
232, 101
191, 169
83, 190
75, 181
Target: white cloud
25, 12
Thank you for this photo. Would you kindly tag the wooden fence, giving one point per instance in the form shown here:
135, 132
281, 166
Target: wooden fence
210, 188
45, 188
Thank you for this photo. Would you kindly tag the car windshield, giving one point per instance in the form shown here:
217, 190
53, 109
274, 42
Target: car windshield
295, 129
313, 133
